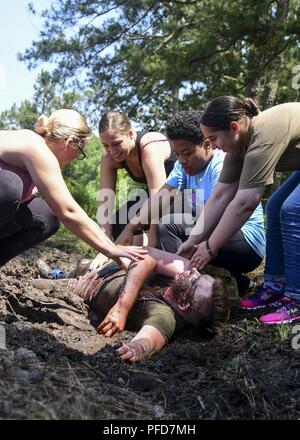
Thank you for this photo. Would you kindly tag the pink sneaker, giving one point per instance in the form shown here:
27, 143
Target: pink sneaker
288, 311
266, 294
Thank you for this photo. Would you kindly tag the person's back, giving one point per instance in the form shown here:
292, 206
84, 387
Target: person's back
274, 145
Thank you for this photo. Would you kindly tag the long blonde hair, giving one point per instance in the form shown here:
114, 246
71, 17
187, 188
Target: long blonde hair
62, 124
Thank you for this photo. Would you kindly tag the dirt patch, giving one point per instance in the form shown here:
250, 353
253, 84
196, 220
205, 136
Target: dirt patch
52, 370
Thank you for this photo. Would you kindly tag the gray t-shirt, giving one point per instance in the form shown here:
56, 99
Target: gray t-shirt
274, 145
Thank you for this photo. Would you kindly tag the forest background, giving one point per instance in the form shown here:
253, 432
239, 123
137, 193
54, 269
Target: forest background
153, 58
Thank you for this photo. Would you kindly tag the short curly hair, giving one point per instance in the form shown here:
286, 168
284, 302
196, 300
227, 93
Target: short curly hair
186, 125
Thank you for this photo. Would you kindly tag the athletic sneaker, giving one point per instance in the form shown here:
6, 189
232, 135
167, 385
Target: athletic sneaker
288, 312
285, 300
267, 293
56, 274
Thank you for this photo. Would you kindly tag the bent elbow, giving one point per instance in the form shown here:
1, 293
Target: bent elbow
247, 207
67, 215
224, 193
221, 198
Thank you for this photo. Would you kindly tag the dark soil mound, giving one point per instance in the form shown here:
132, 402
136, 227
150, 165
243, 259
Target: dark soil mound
53, 370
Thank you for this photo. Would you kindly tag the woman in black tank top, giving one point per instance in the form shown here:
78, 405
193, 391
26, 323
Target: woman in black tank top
147, 157
168, 163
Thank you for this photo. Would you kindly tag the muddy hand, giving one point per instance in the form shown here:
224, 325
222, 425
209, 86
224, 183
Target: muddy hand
135, 350
114, 322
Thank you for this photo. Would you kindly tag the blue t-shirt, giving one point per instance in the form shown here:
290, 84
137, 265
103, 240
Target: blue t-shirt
204, 184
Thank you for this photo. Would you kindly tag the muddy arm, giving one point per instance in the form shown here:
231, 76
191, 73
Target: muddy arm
168, 264
158, 261
115, 320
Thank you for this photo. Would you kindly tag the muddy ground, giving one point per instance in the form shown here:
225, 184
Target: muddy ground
53, 370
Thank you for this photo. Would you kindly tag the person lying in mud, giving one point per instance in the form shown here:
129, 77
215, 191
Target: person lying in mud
155, 298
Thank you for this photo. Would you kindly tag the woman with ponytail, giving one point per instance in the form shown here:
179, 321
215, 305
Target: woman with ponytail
257, 144
146, 156
31, 163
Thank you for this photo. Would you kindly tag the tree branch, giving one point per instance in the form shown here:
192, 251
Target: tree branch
274, 56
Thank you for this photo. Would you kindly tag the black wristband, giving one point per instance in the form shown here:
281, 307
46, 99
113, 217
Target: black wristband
209, 250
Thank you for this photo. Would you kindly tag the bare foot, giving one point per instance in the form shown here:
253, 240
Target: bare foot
135, 350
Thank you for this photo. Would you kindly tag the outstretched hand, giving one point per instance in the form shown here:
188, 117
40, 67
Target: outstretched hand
201, 257
135, 350
186, 249
134, 253
114, 322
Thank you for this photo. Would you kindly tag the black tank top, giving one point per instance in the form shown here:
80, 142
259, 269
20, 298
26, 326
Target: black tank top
169, 163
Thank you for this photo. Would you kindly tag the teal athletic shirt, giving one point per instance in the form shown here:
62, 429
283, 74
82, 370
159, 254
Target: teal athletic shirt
204, 184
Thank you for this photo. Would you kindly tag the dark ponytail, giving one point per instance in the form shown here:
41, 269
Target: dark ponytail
251, 108
221, 111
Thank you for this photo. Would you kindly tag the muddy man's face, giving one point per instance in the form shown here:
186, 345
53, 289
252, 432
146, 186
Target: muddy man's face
192, 293
183, 288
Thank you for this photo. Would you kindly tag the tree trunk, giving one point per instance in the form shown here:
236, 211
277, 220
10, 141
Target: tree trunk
252, 89
273, 83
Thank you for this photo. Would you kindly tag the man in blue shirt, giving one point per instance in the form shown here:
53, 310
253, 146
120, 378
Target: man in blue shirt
196, 174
